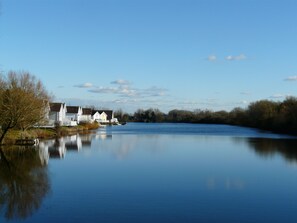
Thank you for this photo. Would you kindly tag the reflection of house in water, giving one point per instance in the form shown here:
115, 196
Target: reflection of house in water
103, 136
103, 133
43, 155
57, 149
86, 140
54, 147
73, 142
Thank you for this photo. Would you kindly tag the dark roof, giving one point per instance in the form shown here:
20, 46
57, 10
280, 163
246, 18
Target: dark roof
93, 112
87, 111
72, 109
55, 107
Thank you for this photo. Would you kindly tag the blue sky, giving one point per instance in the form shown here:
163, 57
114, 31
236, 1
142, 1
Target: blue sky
166, 54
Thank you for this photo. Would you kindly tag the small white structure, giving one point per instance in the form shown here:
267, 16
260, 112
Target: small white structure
57, 113
99, 116
74, 114
95, 116
104, 116
86, 115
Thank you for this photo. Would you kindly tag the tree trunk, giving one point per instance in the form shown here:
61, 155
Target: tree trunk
4, 133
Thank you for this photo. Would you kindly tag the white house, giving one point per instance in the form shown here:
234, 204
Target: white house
57, 113
107, 116
95, 116
74, 113
86, 115
100, 116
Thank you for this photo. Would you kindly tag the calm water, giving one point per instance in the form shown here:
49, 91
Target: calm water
153, 173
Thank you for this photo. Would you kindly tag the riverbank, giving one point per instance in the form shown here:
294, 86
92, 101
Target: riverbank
48, 133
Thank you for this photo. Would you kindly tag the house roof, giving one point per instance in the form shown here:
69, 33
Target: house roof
72, 109
87, 111
94, 112
55, 107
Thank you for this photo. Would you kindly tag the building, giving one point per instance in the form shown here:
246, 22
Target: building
57, 113
74, 113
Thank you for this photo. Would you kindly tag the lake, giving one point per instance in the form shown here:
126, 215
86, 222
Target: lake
153, 173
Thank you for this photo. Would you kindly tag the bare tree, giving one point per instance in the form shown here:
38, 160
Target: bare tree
23, 101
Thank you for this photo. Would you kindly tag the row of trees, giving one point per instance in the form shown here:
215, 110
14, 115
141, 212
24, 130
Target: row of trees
264, 114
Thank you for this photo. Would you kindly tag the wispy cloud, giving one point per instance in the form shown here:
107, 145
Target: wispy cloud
291, 78
154, 91
124, 89
276, 96
121, 82
212, 58
85, 85
103, 90
279, 96
239, 57
123, 94
245, 93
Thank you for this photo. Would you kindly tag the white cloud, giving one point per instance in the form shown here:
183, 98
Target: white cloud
279, 96
85, 85
104, 90
121, 82
154, 91
212, 58
121, 90
127, 91
239, 57
245, 93
291, 78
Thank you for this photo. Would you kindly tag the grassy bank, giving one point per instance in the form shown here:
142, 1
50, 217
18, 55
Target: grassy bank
48, 133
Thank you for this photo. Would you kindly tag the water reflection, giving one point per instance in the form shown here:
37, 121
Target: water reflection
86, 140
57, 148
269, 147
24, 181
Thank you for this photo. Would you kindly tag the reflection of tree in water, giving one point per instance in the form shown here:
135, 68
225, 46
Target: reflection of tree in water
24, 182
268, 147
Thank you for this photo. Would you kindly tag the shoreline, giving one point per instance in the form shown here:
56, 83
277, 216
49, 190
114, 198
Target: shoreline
47, 133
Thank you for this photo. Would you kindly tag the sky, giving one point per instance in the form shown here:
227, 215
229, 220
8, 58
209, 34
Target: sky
164, 54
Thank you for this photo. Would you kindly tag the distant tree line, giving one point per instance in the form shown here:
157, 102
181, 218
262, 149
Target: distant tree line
264, 114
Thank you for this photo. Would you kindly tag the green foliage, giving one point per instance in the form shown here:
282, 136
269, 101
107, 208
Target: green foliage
122, 116
150, 115
264, 114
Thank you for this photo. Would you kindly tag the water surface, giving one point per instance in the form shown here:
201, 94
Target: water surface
153, 173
